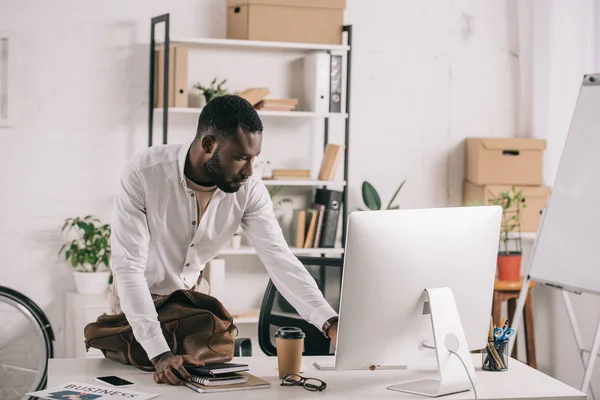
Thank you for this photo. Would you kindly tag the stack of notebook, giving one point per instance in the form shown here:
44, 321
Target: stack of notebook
223, 377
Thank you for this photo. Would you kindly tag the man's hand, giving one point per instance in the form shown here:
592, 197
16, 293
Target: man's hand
333, 333
170, 368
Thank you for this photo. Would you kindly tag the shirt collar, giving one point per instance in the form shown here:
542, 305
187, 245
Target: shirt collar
183, 152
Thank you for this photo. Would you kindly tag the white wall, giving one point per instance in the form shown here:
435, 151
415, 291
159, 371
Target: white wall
426, 74
82, 84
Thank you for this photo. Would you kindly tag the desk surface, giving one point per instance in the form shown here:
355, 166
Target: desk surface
519, 382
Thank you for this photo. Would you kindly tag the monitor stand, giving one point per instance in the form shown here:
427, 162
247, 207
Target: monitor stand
448, 335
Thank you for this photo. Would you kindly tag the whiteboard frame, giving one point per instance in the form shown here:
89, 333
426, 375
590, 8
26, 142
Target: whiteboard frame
588, 80
587, 356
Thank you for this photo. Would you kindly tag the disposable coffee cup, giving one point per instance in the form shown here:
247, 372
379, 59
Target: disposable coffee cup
290, 345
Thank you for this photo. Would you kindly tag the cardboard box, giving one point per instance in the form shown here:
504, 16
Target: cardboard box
536, 198
495, 161
300, 21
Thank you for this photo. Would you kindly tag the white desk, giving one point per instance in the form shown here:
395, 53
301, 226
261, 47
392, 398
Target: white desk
519, 382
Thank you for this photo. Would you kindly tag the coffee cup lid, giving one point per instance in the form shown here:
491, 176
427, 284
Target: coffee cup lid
289, 332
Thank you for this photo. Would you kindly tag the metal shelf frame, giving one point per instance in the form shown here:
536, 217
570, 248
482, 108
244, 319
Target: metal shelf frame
164, 19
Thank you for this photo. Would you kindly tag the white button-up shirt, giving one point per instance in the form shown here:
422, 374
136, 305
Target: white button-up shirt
158, 244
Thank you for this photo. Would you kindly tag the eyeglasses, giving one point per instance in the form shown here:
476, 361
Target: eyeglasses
312, 384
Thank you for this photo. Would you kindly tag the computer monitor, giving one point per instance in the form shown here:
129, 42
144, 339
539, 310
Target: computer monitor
403, 272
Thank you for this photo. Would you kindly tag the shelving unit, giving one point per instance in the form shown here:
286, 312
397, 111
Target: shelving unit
267, 48
233, 45
255, 44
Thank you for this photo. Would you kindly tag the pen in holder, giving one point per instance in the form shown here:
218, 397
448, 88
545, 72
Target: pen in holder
495, 356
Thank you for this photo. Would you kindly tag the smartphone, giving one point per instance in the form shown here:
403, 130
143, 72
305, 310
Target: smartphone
114, 381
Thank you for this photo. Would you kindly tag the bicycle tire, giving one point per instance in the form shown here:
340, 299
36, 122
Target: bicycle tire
36, 316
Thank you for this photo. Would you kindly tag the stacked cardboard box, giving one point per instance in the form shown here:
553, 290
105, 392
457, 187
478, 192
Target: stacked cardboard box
494, 165
305, 21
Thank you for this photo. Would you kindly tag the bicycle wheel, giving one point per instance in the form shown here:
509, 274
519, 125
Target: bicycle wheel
25, 345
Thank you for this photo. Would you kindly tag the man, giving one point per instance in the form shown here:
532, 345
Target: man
178, 206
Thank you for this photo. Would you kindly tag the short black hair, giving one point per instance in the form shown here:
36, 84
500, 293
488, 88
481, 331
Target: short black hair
224, 115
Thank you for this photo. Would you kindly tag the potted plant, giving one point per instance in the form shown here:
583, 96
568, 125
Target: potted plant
212, 91
510, 257
88, 252
373, 201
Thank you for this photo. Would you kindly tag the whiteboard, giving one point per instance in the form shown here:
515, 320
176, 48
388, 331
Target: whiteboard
567, 249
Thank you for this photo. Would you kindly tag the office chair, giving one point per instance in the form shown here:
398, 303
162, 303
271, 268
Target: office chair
276, 312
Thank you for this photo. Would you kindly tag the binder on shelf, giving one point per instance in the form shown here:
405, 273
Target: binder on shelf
178, 77
332, 200
180, 86
335, 92
316, 82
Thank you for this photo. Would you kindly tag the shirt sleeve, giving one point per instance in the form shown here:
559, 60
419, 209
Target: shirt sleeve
129, 251
288, 274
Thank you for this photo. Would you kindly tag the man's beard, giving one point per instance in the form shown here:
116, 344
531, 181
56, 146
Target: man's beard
213, 170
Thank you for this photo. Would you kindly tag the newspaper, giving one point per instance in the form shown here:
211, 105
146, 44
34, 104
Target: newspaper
86, 391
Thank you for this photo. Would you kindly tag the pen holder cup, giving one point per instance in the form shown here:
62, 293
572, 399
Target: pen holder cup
495, 356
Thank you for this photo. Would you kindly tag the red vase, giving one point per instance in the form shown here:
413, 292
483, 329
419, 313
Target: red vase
509, 267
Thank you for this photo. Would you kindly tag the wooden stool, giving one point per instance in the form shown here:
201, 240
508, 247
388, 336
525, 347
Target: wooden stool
510, 291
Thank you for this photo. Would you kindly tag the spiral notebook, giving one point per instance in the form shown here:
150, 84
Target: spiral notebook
252, 383
216, 369
220, 380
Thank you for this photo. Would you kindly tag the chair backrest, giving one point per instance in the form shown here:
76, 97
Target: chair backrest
276, 312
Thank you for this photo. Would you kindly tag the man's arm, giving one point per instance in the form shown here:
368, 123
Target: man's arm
129, 245
129, 242
285, 270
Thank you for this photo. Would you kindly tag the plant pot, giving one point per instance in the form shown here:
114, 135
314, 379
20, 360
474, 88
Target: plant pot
196, 99
509, 267
91, 282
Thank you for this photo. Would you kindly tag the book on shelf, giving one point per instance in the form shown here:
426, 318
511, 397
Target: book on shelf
320, 208
311, 227
331, 160
300, 227
252, 383
254, 95
301, 174
276, 104
308, 226
257, 97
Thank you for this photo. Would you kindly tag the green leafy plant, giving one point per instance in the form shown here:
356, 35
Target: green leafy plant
91, 246
212, 91
373, 201
511, 202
